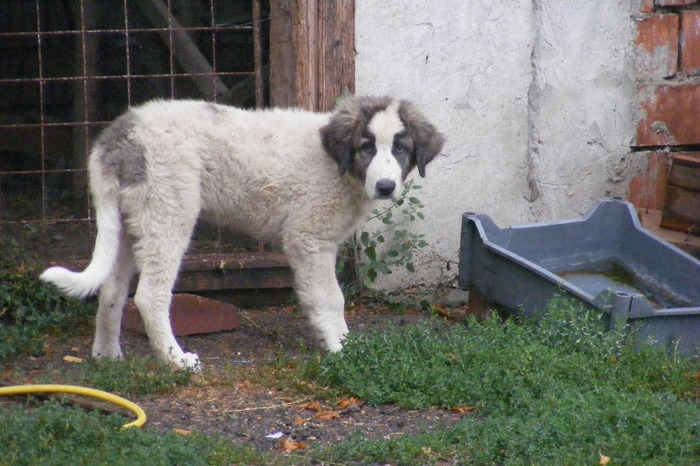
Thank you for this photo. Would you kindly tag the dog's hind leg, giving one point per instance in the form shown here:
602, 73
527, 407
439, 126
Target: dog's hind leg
113, 294
157, 256
318, 291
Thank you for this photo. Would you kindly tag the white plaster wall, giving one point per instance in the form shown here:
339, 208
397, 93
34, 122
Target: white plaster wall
536, 98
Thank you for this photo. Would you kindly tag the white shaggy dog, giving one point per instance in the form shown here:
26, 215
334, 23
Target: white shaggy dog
303, 179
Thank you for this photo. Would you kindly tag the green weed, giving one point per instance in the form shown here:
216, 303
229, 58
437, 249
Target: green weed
392, 246
558, 392
52, 434
131, 376
29, 307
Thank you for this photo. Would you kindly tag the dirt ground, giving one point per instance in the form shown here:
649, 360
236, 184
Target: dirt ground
247, 411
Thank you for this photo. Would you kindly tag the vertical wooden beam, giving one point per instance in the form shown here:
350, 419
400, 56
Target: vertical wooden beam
336, 36
306, 42
257, 53
282, 54
311, 52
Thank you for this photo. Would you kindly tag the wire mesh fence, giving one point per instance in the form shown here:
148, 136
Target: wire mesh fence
67, 68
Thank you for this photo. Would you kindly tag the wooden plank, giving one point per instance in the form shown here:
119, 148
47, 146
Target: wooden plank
651, 220
312, 58
293, 57
282, 55
305, 41
242, 279
336, 36
685, 172
234, 271
681, 210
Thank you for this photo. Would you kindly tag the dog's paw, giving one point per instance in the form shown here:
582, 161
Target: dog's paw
334, 345
107, 353
189, 362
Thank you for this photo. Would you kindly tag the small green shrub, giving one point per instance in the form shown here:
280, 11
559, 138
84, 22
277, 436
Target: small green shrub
558, 392
29, 307
393, 246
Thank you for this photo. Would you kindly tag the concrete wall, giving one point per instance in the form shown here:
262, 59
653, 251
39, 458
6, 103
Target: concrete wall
536, 97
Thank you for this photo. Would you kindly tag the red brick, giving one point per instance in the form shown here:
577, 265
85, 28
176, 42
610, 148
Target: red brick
671, 115
674, 2
690, 42
656, 51
647, 6
189, 315
647, 189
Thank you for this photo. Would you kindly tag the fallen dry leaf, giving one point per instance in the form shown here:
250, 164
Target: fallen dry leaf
72, 359
298, 421
289, 445
182, 431
463, 409
345, 402
311, 406
327, 415
604, 460
441, 311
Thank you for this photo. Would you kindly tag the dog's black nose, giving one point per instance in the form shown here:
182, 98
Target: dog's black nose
386, 187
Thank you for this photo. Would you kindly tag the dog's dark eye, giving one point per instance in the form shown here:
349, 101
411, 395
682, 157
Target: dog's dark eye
367, 147
398, 147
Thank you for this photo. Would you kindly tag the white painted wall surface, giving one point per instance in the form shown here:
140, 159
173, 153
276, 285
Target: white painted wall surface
536, 98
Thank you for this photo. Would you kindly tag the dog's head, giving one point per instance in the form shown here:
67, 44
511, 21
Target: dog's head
379, 140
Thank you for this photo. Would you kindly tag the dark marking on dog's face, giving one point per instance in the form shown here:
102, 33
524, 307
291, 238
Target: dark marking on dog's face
121, 155
379, 141
427, 140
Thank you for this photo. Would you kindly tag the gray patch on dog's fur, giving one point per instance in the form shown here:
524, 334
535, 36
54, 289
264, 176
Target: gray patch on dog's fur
122, 156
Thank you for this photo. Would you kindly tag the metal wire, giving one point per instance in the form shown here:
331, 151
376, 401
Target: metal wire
18, 134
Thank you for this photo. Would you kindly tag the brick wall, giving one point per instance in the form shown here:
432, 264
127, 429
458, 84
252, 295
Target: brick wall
667, 67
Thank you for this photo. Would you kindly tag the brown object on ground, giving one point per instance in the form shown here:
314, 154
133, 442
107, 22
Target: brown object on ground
189, 315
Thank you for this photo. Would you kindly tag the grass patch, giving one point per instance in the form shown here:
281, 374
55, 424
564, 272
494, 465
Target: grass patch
131, 376
29, 308
563, 392
52, 434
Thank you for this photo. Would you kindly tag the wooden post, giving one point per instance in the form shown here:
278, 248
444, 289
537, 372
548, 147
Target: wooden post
311, 52
336, 61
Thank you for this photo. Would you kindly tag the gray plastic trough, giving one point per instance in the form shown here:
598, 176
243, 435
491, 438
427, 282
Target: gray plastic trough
605, 260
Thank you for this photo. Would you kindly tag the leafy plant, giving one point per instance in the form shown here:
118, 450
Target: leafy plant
393, 246
557, 392
29, 307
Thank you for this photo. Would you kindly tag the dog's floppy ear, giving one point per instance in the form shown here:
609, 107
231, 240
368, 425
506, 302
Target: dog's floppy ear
337, 137
427, 140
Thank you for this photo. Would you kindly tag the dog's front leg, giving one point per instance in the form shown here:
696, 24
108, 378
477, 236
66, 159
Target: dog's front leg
319, 293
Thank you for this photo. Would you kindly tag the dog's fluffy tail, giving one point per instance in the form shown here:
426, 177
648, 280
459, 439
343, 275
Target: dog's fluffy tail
87, 282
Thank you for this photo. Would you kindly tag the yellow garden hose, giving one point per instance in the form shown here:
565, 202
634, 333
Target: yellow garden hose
74, 389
